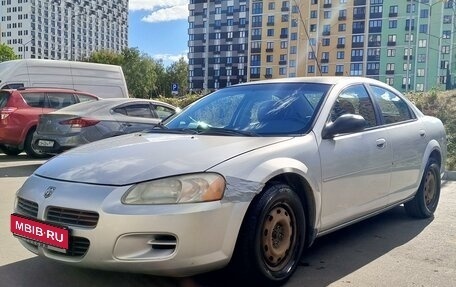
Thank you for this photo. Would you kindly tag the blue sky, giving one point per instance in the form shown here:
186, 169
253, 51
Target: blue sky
159, 28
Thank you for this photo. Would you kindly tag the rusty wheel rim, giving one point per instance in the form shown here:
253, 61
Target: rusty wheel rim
429, 188
278, 237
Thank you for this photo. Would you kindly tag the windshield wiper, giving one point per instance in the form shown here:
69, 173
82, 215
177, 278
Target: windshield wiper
225, 132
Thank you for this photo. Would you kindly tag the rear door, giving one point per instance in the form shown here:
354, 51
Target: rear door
60, 100
407, 137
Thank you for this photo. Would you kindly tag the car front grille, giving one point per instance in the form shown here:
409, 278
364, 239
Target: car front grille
73, 217
78, 247
27, 207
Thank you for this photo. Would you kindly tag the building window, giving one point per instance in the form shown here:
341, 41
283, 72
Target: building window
340, 54
283, 44
407, 67
419, 87
391, 52
445, 49
342, 27
392, 24
423, 28
269, 58
270, 32
282, 71
422, 43
310, 69
421, 58
390, 67
324, 69
390, 81
340, 69
356, 69
420, 72
325, 41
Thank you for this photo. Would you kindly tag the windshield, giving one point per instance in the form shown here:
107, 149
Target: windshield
268, 109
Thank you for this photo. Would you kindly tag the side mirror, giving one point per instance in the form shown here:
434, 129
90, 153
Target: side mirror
348, 123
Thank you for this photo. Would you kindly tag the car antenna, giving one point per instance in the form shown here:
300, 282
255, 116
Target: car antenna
308, 37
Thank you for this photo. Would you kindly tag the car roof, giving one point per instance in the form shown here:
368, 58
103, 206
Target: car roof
101, 104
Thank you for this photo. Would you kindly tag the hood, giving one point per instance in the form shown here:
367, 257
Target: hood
140, 157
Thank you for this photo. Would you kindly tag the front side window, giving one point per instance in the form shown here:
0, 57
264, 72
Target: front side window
354, 100
393, 108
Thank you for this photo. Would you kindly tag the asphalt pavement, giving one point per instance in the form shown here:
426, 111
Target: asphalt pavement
390, 249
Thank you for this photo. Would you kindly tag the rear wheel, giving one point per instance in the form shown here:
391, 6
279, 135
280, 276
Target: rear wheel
271, 239
29, 148
10, 150
425, 202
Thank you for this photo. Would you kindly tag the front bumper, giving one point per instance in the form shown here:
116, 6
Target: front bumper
170, 240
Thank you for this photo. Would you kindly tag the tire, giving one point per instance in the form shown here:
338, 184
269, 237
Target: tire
29, 149
12, 151
272, 237
425, 202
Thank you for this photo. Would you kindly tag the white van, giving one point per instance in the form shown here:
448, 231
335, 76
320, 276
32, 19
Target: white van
105, 81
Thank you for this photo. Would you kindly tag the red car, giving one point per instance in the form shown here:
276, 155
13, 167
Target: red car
19, 112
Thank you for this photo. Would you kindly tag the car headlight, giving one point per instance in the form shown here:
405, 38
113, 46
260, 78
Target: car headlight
200, 187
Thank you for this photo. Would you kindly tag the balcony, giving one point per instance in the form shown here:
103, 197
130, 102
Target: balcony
373, 58
408, 57
359, 16
375, 15
283, 36
407, 28
390, 72
256, 37
268, 76
257, 24
342, 18
285, 9
270, 23
358, 30
282, 63
327, 5
324, 61
373, 72
391, 43
254, 76
326, 33
359, 3
269, 50
339, 74
392, 14
357, 44
375, 29
374, 44
255, 50
357, 58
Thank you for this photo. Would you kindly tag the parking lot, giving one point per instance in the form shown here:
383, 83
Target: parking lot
388, 250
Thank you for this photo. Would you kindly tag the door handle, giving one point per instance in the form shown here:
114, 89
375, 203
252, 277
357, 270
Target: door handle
381, 143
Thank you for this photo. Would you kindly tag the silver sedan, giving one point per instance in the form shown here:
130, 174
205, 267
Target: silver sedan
249, 175
88, 122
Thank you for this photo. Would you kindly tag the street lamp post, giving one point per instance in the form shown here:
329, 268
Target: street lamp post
23, 47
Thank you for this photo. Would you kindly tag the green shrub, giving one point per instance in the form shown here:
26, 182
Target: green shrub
443, 106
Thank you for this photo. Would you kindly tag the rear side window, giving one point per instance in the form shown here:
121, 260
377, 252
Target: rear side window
85, 98
35, 100
393, 108
136, 110
4, 97
60, 100
13, 86
163, 112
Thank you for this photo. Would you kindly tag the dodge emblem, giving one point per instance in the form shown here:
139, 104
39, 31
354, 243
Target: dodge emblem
49, 191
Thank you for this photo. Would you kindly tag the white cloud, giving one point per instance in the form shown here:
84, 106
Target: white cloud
161, 10
169, 58
168, 14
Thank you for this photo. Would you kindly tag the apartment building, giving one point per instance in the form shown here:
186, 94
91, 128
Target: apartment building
59, 29
407, 44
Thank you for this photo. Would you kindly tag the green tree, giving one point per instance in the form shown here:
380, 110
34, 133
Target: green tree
7, 53
139, 71
106, 57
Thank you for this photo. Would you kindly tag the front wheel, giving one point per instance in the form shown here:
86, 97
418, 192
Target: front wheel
272, 237
425, 202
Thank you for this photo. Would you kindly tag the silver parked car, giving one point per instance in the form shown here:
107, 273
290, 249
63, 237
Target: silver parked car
251, 174
88, 122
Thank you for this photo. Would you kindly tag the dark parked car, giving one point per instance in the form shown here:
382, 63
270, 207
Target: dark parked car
88, 122
20, 109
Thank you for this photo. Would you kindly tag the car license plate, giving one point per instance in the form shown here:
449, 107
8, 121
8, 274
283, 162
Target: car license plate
45, 143
40, 232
